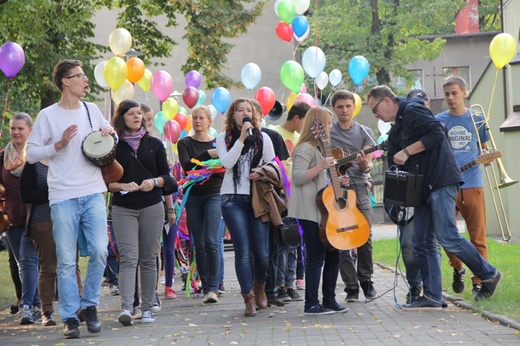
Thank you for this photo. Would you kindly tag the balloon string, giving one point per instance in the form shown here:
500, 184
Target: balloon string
316, 44
492, 95
5, 106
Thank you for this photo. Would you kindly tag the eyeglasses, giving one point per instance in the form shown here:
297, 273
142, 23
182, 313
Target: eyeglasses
374, 110
79, 75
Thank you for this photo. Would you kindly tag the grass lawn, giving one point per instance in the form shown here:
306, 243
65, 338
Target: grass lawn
503, 256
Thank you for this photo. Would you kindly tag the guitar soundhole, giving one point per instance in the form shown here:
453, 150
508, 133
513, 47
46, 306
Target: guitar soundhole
341, 203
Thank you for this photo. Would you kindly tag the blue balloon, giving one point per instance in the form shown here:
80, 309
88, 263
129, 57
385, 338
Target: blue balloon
358, 69
300, 24
183, 134
221, 99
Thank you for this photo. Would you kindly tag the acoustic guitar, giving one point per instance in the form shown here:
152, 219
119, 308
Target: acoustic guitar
484, 158
344, 159
343, 226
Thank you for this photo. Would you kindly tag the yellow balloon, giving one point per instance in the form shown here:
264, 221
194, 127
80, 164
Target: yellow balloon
124, 92
144, 82
502, 49
115, 72
170, 108
120, 41
290, 100
357, 106
175, 150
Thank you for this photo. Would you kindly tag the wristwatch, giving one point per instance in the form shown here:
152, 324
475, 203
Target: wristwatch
155, 182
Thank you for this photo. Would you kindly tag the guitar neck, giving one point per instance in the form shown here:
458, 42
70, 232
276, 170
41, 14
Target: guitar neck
468, 166
334, 177
352, 157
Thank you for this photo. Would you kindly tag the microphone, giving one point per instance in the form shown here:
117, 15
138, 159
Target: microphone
249, 131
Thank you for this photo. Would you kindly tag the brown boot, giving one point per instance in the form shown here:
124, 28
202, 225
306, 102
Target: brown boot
260, 297
249, 301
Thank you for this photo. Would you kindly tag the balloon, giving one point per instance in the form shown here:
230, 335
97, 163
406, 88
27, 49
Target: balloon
301, 6
159, 120
290, 100
183, 134
358, 105
202, 97
502, 49
322, 80
172, 131
115, 72
284, 31
335, 77
190, 96
303, 37
308, 99
313, 61
120, 41
221, 99
162, 85
213, 111
292, 75
286, 11
170, 107
189, 124
183, 111
124, 92
303, 88
265, 96
99, 74
181, 119
193, 79
250, 75
12, 59
144, 82
213, 132
383, 127
135, 69
358, 69
300, 24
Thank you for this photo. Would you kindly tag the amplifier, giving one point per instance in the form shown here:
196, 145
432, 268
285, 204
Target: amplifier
403, 188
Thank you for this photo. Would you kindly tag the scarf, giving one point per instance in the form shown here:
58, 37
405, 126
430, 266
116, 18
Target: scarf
14, 160
134, 138
247, 155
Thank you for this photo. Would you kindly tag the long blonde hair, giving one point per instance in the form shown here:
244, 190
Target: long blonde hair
308, 133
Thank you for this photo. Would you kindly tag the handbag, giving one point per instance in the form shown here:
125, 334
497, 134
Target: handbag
288, 233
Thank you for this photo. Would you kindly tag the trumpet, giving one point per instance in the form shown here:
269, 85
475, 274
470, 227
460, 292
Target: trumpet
499, 180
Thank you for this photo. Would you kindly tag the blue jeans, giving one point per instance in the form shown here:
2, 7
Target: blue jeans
203, 214
316, 257
26, 257
221, 230
168, 252
435, 218
112, 268
286, 273
410, 257
250, 236
70, 217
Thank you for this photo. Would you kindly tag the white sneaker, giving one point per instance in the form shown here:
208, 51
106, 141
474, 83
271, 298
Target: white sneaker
209, 298
147, 317
113, 290
125, 318
137, 314
156, 305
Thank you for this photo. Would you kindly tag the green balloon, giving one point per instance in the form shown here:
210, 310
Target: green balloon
292, 75
286, 11
183, 110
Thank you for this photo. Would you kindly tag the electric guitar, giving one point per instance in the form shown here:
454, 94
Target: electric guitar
343, 226
344, 159
484, 158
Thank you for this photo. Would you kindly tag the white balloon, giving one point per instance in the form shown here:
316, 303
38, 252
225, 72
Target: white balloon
313, 61
213, 111
124, 92
303, 37
251, 75
335, 77
301, 5
99, 74
383, 127
322, 80
277, 2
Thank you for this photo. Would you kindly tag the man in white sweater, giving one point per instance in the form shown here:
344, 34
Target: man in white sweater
76, 189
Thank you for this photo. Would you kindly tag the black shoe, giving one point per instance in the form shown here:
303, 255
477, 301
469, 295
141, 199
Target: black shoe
413, 294
352, 295
318, 310
444, 303
26, 316
274, 301
422, 304
334, 306
295, 296
458, 280
89, 316
71, 330
283, 295
14, 309
48, 319
489, 287
368, 289
476, 289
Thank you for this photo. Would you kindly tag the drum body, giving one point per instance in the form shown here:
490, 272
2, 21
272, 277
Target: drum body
99, 149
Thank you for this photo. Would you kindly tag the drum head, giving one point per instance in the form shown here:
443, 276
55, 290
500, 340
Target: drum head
96, 146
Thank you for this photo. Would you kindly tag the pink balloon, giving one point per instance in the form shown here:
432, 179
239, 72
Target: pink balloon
12, 59
161, 85
308, 99
190, 96
193, 79
172, 131
377, 154
303, 89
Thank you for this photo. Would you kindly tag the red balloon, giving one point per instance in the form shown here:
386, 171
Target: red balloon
190, 96
284, 31
172, 131
266, 97
181, 119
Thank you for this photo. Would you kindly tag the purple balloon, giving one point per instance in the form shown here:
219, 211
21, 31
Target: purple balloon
193, 79
12, 59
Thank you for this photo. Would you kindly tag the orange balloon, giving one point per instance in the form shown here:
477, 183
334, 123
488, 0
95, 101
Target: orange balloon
189, 124
135, 69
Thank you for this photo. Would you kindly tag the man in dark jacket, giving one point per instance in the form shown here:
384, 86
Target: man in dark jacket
424, 148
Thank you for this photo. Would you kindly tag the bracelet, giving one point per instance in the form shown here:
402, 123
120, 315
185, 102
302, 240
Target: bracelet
406, 152
170, 209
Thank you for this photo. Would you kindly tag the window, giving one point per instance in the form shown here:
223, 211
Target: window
415, 82
461, 71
